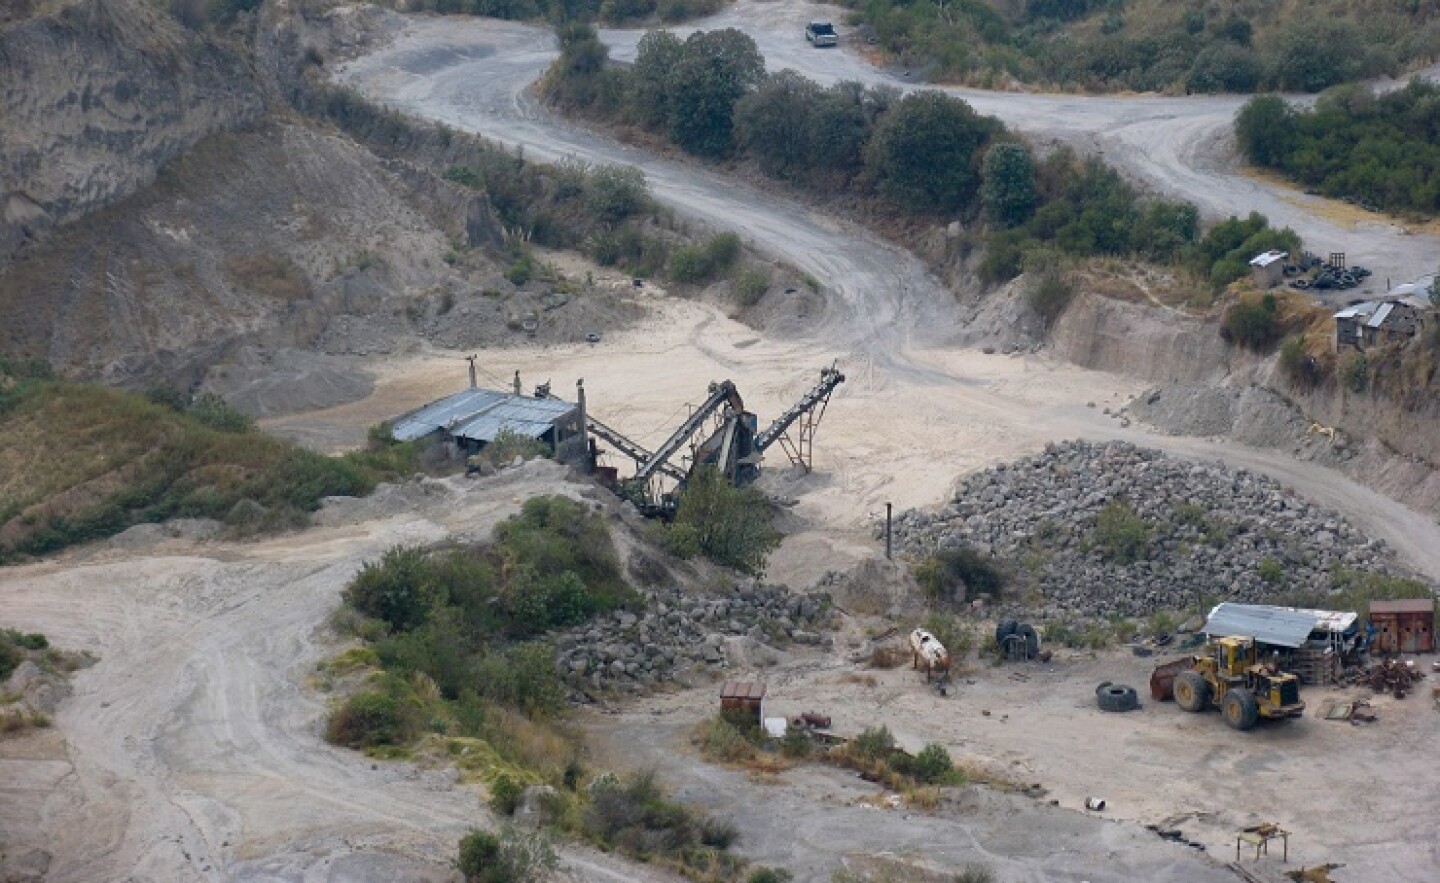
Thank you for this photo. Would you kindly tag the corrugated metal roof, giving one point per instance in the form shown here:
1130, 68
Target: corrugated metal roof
742, 690
1265, 259
1338, 621
1403, 605
1378, 318
530, 417
1267, 625
481, 414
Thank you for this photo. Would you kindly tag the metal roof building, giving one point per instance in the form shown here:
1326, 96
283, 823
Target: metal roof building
475, 417
1277, 626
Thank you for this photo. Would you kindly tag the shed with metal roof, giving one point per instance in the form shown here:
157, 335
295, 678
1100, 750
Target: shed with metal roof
1274, 626
472, 418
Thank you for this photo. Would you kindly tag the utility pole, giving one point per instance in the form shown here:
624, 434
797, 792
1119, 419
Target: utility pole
887, 532
473, 379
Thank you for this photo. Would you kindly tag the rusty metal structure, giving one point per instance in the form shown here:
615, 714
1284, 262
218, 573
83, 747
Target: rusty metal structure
743, 698
719, 433
1406, 625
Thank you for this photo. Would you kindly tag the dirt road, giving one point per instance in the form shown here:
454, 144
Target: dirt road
473, 74
194, 750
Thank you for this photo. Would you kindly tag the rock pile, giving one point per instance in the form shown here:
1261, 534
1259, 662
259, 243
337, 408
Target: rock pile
679, 631
1208, 531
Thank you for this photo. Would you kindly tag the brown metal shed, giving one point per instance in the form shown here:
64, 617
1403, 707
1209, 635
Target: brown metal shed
743, 696
1406, 625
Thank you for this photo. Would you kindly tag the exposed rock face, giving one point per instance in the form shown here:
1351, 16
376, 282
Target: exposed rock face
97, 96
1139, 341
1211, 532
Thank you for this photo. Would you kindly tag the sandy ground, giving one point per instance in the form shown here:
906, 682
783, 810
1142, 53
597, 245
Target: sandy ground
1349, 794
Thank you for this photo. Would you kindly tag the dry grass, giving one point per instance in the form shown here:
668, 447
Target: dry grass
889, 656
862, 680
271, 275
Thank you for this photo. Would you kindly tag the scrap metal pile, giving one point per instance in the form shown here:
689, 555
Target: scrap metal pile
1395, 678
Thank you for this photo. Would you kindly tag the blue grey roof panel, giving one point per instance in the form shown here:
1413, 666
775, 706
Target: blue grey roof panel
481, 414
1267, 625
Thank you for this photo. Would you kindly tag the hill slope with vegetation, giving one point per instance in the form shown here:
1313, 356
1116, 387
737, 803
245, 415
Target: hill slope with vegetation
81, 462
1189, 46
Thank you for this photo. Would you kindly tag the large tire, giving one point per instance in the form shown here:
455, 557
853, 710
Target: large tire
1116, 697
1192, 691
1032, 640
1003, 630
1240, 709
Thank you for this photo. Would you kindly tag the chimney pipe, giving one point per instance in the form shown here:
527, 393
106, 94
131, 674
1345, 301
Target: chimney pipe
517, 383
473, 382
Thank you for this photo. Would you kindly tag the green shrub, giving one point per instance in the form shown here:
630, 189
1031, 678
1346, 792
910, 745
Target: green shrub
216, 413
1252, 323
10, 656
521, 271
1355, 372
512, 857
932, 766
751, 286
770, 875
731, 526
959, 574
875, 743
689, 265
1049, 290
505, 794
373, 718
1272, 571
1121, 534
721, 251
975, 874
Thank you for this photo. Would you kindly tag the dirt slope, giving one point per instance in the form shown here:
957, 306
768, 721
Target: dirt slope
98, 95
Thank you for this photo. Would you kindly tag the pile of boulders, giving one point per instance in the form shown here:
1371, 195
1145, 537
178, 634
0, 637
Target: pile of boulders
1210, 531
678, 632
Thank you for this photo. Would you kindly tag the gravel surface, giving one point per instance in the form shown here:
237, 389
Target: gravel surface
1209, 531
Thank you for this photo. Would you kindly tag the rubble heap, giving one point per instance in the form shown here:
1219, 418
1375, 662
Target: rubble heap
679, 632
1209, 532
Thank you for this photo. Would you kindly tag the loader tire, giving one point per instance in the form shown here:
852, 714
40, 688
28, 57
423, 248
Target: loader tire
1032, 640
1192, 691
1003, 630
1240, 709
1117, 697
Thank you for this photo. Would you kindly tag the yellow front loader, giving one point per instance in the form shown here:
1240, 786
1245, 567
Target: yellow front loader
1229, 675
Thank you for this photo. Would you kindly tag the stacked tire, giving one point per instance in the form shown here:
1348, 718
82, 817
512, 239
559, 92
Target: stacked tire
1010, 628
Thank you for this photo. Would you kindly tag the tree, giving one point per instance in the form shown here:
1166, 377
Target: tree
1007, 188
650, 88
1265, 129
614, 193
715, 69
728, 525
775, 122
924, 151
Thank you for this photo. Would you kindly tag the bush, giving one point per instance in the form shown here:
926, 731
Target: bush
770, 875
731, 526
374, 718
505, 794
1252, 323
932, 766
10, 656
1303, 370
959, 575
875, 743
721, 251
751, 286
1121, 534
688, 265
1049, 291
216, 413
522, 271
512, 857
